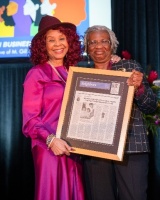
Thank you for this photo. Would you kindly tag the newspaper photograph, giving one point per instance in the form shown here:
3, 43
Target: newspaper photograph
95, 112
94, 115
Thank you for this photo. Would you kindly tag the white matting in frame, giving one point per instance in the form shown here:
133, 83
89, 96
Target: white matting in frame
95, 112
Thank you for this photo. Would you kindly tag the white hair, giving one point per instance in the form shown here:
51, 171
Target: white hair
96, 28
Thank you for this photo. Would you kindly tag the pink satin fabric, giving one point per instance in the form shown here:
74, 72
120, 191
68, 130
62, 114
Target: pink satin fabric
56, 177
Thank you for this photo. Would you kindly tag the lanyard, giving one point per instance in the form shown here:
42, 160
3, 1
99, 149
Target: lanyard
57, 72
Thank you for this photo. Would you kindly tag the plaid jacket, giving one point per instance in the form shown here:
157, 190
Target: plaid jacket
137, 139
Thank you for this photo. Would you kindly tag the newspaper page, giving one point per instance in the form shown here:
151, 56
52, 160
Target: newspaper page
94, 115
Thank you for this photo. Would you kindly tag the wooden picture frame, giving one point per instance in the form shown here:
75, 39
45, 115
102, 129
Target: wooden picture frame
96, 111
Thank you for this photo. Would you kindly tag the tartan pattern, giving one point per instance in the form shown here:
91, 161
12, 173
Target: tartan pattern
146, 102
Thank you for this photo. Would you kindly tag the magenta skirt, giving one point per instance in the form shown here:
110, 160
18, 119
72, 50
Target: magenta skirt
57, 177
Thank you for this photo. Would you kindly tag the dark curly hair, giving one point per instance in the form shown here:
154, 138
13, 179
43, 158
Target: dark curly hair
38, 52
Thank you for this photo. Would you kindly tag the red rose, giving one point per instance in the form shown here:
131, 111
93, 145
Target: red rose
126, 55
152, 76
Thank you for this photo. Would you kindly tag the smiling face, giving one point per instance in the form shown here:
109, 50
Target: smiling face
99, 47
12, 8
30, 8
57, 46
47, 8
2, 8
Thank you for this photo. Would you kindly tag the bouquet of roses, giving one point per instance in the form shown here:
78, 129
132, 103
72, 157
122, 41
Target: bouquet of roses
153, 120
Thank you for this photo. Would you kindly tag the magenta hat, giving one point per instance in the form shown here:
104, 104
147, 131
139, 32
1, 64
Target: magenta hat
48, 22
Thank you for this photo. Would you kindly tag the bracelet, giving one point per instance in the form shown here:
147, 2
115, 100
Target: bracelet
49, 139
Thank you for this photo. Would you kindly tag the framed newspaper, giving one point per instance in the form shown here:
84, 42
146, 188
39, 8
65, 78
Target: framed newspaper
95, 112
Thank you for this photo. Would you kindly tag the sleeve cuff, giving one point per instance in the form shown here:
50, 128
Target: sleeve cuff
140, 90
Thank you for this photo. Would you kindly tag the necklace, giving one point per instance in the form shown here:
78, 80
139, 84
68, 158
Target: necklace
54, 68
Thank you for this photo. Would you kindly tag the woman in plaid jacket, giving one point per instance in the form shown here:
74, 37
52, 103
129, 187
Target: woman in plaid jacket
126, 180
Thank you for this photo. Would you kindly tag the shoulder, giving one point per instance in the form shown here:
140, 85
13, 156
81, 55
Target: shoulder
129, 65
35, 71
38, 72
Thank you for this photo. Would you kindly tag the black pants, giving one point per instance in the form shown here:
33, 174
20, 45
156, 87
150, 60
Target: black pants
114, 180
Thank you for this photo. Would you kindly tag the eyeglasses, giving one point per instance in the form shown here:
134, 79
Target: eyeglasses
94, 43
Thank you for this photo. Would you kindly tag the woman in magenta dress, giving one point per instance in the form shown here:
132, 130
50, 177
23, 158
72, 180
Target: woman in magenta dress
58, 173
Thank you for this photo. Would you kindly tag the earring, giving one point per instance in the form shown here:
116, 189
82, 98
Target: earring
88, 57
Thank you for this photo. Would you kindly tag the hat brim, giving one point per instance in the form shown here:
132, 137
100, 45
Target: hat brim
63, 24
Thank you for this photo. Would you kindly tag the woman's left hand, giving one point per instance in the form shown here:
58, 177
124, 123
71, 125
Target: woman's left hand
60, 147
135, 79
115, 58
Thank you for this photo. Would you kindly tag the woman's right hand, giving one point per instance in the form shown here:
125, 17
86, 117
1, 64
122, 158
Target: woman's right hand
60, 147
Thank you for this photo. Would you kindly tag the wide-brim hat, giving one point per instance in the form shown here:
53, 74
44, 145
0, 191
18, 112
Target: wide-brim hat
48, 22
